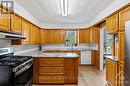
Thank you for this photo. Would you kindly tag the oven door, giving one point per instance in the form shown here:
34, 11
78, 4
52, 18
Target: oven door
25, 78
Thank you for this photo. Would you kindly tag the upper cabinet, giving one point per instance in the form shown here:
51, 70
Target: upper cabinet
16, 23
124, 16
59, 36
52, 36
4, 20
84, 36
43, 38
95, 35
112, 24
35, 35
26, 31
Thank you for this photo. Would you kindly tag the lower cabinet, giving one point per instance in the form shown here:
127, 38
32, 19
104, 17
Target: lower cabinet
55, 70
121, 74
111, 72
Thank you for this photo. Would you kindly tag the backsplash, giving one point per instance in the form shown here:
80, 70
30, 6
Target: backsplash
62, 46
24, 48
18, 48
5, 43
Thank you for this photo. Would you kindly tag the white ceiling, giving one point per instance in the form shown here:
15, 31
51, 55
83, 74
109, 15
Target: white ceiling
80, 11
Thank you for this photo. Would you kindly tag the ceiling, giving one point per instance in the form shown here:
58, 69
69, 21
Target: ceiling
79, 11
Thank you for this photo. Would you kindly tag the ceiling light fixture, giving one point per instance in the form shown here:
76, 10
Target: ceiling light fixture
64, 7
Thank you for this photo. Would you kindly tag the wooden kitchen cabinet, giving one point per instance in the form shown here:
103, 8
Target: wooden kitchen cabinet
59, 37
55, 70
4, 21
38, 35
16, 23
35, 35
120, 74
124, 16
71, 71
94, 58
111, 72
26, 31
84, 36
95, 35
43, 36
52, 36
112, 24
121, 47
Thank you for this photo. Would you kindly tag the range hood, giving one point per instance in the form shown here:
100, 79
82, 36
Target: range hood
8, 35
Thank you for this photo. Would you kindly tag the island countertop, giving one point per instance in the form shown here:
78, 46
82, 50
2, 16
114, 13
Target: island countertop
37, 54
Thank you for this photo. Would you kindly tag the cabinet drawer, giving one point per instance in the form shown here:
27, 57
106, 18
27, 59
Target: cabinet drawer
51, 62
51, 79
51, 70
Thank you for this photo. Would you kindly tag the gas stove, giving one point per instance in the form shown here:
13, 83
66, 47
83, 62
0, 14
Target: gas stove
16, 69
16, 62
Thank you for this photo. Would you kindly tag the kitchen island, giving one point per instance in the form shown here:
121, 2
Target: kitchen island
55, 68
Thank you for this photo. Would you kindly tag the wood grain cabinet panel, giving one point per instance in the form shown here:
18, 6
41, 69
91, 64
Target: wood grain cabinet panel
4, 21
84, 36
121, 46
71, 71
121, 74
51, 70
35, 35
112, 24
35, 70
43, 36
124, 16
95, 35
26, 31
51, 62
111, 72
55, 71
52, 36
16, 23
51, 79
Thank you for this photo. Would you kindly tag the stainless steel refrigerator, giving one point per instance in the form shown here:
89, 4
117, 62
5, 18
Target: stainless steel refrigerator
127, 54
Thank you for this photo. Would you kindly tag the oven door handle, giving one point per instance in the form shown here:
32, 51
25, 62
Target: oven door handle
22, 70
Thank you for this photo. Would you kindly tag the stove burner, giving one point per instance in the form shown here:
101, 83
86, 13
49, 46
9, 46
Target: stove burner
14, 60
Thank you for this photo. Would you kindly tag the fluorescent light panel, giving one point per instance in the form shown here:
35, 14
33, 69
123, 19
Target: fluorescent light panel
64, 7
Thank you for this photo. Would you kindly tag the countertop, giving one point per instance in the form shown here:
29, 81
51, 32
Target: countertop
37, 54
113, 58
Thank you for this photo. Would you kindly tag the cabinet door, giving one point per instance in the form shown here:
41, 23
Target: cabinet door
37, 36
4, 21
84, 36
124, 16
35, 70
95, 35
71, 72
43, 36
33, 35
121, 74
112, 24
121, 46
26, 31
16, 23
54, 36
59, 37
111, 72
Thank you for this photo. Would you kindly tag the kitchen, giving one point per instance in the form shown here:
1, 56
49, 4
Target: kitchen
43, 45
